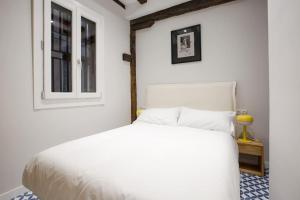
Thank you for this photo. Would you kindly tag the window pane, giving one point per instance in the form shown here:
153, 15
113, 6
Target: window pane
88, 55
61, 49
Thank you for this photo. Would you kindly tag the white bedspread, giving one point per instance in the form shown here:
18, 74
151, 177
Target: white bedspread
138, 162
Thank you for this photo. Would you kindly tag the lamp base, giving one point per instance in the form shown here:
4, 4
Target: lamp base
244, 140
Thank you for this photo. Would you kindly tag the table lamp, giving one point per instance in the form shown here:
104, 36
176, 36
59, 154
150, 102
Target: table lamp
244, 120
139, 111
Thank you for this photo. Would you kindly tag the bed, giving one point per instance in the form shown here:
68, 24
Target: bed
145, 161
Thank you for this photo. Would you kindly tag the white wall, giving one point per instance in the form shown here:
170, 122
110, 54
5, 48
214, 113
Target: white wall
234, 47
23, 131
284, 51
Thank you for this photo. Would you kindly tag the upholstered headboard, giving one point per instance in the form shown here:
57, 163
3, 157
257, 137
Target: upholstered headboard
206, 96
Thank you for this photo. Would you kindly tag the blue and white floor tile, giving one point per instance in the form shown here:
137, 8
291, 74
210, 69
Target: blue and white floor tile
252, 188
26, 196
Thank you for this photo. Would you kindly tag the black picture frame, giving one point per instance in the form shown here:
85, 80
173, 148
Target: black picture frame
189, 41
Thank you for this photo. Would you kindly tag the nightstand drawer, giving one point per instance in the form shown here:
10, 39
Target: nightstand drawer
251, 150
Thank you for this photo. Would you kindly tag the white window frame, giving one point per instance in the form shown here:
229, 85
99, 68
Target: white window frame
44, 98
90, 15
47, 49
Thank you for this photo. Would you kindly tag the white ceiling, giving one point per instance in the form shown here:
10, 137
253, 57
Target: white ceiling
134, 9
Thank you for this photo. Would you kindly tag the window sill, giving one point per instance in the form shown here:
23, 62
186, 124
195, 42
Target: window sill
56, 104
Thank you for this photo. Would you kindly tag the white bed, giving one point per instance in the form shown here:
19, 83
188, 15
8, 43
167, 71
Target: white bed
141, 162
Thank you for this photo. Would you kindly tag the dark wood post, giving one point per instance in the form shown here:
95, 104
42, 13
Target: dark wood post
133, 74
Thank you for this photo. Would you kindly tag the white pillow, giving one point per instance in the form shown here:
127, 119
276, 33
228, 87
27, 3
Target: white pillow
208, 120
161, 116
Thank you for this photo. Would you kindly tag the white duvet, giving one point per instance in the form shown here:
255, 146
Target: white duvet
138, 162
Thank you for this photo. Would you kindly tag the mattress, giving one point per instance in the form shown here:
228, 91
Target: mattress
138, 162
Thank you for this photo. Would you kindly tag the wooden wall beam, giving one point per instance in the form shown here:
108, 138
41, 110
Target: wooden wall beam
126, 57
180, 9
120, 3
133, 74
142, 1
144, 25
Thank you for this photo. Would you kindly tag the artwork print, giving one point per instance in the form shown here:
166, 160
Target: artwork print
186, 47
186, 44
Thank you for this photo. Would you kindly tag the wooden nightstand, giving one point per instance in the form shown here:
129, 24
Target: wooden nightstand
254, 149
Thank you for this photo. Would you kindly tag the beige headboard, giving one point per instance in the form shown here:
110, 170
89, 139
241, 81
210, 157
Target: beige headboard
206, 96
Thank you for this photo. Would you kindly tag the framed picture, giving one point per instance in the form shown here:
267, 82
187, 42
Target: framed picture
186, 44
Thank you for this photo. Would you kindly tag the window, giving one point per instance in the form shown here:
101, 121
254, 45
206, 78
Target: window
61, 49
68, 66
88, 53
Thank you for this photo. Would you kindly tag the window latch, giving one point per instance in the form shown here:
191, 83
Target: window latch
43, 95
42, 44
79, 63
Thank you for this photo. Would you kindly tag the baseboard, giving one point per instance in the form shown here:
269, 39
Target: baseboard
13, 193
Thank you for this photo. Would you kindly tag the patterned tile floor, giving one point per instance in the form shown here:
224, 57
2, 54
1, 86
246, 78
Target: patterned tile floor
252, 188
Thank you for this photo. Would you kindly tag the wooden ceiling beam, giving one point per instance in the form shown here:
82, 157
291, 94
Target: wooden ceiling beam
179, 9
142, 1
144, 25
120, 3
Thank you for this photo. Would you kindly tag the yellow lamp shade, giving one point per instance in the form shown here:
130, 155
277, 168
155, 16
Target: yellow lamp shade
244, 119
